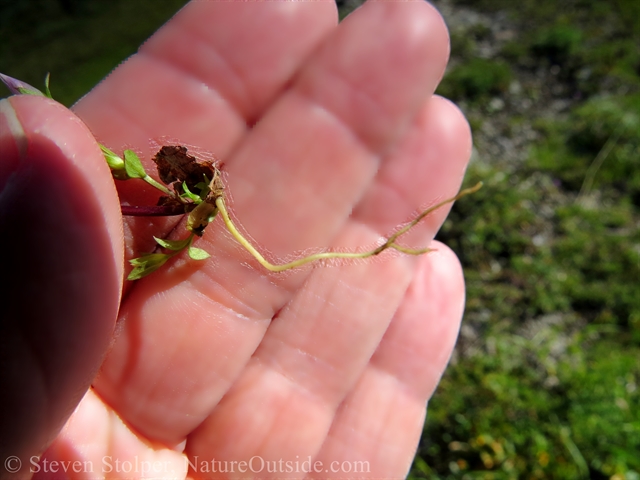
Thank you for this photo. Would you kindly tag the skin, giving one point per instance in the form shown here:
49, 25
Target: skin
330, 137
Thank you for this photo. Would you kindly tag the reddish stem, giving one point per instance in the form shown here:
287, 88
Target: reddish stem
154, 211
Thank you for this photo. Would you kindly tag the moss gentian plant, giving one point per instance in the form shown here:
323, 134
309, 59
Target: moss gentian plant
194, 188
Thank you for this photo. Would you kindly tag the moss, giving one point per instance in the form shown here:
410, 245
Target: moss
558, 44
598, 144
462, 45
551, 289
476, 80
527, 414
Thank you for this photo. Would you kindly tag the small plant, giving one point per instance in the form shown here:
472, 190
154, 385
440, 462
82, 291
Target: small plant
195, 188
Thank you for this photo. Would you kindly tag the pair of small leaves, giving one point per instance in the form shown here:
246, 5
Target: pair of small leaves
177, 245
150, 262
124, 169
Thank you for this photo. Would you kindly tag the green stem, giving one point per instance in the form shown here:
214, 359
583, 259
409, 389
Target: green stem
151, 181
390, 243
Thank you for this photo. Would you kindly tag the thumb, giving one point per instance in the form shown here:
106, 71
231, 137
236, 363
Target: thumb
62, 254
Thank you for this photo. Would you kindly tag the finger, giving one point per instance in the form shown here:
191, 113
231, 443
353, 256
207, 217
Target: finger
426, 168
418, 344
62, 266
207, 320
95, 443
381, 419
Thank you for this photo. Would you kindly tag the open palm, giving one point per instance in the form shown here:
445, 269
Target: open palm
329, 136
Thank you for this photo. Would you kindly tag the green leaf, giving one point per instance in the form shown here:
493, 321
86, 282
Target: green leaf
204, 187
189, 194
146, 264
198, 253
47, 92
174, 244
132, 165
149, 259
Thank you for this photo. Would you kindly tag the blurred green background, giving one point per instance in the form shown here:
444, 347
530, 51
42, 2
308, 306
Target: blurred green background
544, 380
78, 41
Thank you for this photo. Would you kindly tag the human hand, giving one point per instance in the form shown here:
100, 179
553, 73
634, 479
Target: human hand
330, 137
